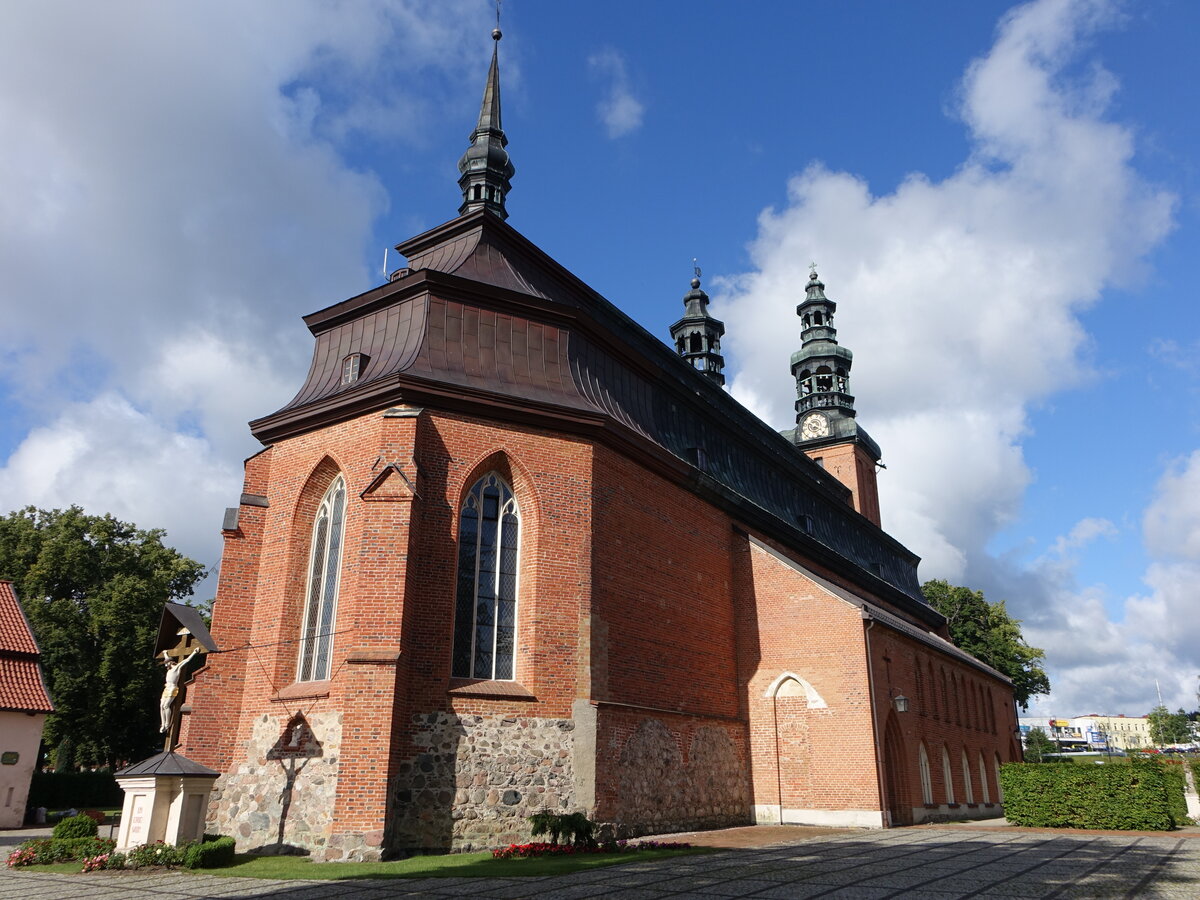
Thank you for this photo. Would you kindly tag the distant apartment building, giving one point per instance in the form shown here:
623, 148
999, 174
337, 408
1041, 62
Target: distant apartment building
1091, 732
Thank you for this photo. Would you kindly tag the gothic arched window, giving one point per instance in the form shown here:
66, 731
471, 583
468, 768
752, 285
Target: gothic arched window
947, 776
983, 780
485, 610
926, 780
966, 769
324, 572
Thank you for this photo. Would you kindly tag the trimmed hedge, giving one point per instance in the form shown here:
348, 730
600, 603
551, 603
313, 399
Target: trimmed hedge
63, 790
1137, 797
1176, 791
211, 853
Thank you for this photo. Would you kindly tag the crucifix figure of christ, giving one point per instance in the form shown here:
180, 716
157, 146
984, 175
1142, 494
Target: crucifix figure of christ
175, 659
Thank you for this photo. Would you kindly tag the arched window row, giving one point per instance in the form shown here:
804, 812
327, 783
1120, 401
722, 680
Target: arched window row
968, 773
823, 381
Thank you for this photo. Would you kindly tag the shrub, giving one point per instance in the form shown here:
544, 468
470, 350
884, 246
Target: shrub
576, 826
1134, 797
79, 826
211, 853
156, 854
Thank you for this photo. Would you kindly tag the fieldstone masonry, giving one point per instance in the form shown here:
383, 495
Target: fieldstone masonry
281, 798
478, 779
661, 792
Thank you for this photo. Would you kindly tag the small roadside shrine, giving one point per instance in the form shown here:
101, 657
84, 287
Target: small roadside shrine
166, 796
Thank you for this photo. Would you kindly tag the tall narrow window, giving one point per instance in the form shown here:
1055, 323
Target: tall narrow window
947, 775
926, 780
983, 781
324, 572
966, 767
485, 612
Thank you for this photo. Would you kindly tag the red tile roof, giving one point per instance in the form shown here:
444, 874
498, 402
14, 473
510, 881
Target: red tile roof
15, 635
21, 684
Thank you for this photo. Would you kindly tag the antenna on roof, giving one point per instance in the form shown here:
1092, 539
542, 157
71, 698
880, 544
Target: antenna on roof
385, 253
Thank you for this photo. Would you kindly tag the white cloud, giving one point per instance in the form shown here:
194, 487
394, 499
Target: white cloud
179, 194
961, 301
109, 457
620, 111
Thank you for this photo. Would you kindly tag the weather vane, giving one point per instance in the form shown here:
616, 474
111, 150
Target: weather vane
812, 270
695, 267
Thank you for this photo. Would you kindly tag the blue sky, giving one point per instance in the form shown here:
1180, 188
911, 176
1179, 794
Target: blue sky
1003, 200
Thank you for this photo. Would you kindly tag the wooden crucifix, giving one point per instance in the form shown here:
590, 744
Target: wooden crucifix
182, 636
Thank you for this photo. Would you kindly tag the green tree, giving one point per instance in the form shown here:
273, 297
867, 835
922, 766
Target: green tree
93, 588
1169, 727
1037, 745
988, 632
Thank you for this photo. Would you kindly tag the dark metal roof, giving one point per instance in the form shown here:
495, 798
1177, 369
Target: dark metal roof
486, 317
167, 763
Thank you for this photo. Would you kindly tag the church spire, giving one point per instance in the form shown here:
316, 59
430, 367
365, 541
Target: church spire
821, 368
697, 335
826, 429
485, 169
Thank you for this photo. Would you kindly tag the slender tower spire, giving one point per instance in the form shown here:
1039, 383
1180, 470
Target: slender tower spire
485, 169
826, 429
697, 335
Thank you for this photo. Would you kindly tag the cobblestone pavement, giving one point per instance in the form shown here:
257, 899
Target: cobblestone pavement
922, 863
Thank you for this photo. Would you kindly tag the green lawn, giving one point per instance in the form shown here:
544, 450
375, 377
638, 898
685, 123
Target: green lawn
450, 865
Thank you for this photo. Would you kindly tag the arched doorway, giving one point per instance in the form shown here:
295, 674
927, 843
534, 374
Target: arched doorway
792, 696
895, 769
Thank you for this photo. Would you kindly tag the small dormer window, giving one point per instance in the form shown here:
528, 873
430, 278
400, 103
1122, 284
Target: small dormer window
352, 367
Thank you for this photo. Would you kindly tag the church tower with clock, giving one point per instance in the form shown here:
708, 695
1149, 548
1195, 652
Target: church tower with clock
826, 427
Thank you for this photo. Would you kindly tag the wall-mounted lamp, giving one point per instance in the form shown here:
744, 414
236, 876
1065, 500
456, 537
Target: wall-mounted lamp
899, 701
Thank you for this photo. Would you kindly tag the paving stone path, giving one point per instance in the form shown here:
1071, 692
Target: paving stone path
917, 863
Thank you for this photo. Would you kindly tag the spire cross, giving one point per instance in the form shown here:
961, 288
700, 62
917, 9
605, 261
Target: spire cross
812, 270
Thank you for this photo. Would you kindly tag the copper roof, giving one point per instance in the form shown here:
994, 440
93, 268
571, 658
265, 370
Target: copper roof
21, 684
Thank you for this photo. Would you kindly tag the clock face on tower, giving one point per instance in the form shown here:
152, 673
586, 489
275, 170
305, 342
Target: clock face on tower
814, 425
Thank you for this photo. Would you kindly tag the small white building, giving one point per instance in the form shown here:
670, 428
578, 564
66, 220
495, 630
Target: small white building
24, 703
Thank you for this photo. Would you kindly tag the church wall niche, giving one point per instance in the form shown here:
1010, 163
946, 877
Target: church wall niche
279, 799
477, 779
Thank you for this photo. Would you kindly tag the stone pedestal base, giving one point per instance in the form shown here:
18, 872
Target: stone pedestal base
166, 799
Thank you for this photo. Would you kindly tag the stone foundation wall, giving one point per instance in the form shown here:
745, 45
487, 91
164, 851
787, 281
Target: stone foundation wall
280, 798
661, 790
477, 780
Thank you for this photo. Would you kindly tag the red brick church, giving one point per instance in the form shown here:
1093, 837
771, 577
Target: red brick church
506, 551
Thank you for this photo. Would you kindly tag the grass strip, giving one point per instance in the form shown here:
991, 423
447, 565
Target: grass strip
450, 865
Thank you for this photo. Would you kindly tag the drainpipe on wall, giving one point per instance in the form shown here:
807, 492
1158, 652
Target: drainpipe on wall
883, 808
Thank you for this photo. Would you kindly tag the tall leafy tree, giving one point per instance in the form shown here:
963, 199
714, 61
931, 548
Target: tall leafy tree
989, 633
1037, 745
93, 588
1169, 727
